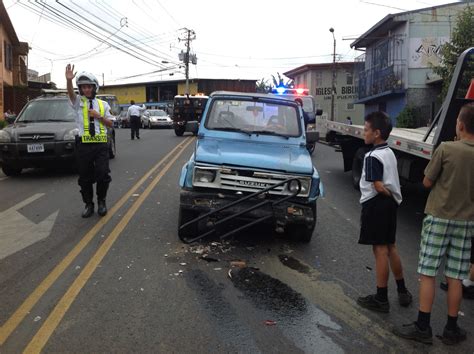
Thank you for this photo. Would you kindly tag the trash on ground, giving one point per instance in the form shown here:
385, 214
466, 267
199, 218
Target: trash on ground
135, 195
460, 313
183, 264
368, 268
217, 268
270, 323
37, 318
238, 264
207, 258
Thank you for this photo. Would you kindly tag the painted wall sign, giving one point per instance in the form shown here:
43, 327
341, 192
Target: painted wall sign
425, 52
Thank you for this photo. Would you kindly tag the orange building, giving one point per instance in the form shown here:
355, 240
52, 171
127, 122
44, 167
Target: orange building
13, 66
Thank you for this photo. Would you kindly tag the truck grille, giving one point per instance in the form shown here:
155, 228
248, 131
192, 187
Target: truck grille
36, 137
250, 181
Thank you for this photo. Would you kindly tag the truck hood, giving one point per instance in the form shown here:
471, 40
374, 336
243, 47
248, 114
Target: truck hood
56, 128
268, 156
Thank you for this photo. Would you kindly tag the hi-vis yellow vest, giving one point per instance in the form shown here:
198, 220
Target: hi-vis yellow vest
86, 136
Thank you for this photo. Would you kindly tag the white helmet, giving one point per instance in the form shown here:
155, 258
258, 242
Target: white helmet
85, 78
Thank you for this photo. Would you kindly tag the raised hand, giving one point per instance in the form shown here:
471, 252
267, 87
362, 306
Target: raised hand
70, 74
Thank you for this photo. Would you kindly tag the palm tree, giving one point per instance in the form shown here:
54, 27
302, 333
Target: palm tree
281, 82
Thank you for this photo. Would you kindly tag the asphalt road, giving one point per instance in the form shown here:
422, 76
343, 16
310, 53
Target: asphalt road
125, 283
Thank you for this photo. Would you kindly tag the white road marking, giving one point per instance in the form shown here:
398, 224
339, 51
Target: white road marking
18, 232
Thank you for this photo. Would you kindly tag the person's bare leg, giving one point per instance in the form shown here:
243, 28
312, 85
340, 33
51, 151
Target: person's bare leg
395, 262
427, 293
454, 296
382, 269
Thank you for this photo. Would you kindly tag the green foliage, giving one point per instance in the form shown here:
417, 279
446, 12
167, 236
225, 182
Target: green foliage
462, 38
407, 118
280, 81
3, 123
262, 86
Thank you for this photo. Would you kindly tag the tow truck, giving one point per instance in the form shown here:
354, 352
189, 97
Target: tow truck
412, 147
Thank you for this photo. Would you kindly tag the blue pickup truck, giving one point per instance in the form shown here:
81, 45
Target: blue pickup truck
250, 165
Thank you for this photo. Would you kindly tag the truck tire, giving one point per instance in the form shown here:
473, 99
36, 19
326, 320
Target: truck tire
303, 233
357, 164
186, 215
179, 131
11, 171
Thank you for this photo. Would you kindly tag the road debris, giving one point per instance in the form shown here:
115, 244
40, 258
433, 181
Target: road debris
270, 323
206, 258
37, 318
238, 264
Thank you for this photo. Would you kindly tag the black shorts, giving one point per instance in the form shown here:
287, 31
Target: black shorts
378, 221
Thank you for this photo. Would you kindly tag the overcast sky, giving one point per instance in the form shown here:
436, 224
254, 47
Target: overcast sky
246, 39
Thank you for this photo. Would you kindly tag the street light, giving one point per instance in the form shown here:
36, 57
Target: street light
333, 73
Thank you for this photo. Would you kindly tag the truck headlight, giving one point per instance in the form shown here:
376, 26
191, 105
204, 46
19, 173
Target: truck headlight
4, 137
204, 176
71, 134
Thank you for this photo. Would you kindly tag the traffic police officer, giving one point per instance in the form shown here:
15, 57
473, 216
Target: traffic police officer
91, 143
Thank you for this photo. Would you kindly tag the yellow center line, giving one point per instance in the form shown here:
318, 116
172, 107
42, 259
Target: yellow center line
53, 320
17, 317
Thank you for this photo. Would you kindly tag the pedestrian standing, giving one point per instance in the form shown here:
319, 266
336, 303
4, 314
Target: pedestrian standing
92, 119
134, 112
380, 198
349, 120
447, 230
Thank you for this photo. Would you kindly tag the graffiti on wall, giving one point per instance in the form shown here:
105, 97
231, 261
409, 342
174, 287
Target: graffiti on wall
425, 52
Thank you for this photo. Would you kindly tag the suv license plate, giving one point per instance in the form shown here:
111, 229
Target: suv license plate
35, 147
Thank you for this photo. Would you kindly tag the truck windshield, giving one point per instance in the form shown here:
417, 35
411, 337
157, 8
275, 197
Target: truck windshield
254, 117
47, 111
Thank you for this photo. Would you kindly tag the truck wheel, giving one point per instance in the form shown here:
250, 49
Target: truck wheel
303, 233
357, 165
185, 216
179, 131
11, 171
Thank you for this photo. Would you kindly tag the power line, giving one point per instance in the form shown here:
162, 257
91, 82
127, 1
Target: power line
58, 16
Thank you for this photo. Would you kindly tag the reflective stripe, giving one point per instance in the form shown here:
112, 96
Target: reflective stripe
86, 137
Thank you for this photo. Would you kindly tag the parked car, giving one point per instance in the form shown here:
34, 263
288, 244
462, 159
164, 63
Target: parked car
123, 120
157, 118
250, 165
43, 135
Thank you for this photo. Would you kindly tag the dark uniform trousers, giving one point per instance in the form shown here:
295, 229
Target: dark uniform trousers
135, 123
93, 164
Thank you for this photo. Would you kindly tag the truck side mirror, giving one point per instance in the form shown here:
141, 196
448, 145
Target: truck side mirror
192, 127
312, 137
319, 112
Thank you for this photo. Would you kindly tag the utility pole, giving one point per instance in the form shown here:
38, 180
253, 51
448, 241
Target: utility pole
187, 56
333, 88
103, 80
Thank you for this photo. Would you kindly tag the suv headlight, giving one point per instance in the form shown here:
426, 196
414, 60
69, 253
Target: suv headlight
293, 186
71, 134
4, 137
204, 176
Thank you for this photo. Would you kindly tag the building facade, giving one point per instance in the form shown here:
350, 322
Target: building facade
13, 66
396, 69
164, 91
318, 79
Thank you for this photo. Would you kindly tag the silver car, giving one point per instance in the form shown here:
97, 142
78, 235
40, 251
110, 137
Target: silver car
156, 118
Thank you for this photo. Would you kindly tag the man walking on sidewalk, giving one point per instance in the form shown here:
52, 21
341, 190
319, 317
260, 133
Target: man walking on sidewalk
134, 113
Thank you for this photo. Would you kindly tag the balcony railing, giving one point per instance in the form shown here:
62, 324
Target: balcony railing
376, 80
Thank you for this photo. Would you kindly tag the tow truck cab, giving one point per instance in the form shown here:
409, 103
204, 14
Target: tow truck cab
250, 165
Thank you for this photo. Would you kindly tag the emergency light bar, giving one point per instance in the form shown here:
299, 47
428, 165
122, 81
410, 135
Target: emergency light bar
291, 91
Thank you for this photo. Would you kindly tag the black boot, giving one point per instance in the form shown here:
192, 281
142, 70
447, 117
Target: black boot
101, 207
88, 210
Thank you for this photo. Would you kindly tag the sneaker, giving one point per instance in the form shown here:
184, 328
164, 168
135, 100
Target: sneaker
467, 291
413, 332
370, 302
453, 336
405, 299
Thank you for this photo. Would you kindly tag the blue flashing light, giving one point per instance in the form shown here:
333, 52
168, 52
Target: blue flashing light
281, 90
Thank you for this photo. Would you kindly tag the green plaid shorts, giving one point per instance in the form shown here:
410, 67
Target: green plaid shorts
450, 237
